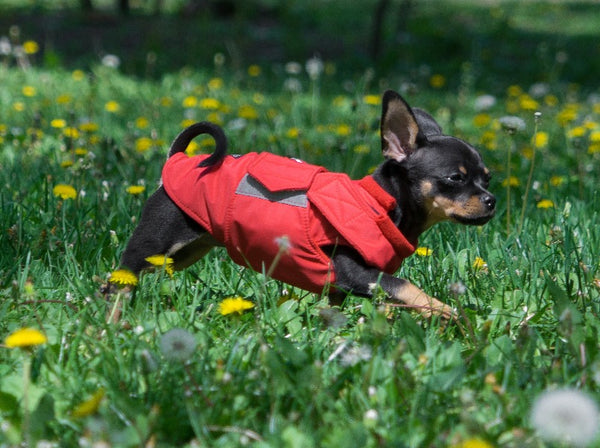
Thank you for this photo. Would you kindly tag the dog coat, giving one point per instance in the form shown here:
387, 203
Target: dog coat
275, 214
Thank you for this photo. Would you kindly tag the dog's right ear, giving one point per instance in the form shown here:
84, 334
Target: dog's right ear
399, 128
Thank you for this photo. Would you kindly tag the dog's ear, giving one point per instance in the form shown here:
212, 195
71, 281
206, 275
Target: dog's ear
427, 124
399, 127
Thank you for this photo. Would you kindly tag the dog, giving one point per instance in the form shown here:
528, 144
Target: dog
312, 228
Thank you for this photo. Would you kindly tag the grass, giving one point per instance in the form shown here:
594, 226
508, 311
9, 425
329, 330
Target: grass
292, 371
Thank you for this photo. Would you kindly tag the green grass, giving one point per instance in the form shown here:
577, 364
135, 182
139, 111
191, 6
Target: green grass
292, 373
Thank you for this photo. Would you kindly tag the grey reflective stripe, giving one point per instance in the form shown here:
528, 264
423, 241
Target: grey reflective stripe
249, 186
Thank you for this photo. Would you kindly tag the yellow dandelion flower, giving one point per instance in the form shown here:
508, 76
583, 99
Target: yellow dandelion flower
258, 98
528, 103
112, 107
18, 106
216, 118
187, 122
215, 84
512, 181
165, 101
488, 140
143, 144
58, 123
236, 304
161, 261
80, 152
551, 100
481, 120
210, 103
594, 148
66, 164
540, 139
29, 91
576, 132
30, 47
545, 203
371, 100
567, 115
89, 406
63, 99
437, 81
479, 263
343, 130
474, 443
254, 70
89, 127
135, 189
595, 136
123, 277
248, 112
189, 102
141, 123
557, 181
362, 149
71, 132
64, 191
515, 91
78, 75
293, 133
25, 337
424, 251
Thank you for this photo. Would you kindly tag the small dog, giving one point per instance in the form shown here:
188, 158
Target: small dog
312, 228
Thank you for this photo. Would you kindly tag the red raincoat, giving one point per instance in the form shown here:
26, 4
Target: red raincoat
250, 202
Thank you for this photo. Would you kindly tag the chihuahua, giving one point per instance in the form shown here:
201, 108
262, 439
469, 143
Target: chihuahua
312, 228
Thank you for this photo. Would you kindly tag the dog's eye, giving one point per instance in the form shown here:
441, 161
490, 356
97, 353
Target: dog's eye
456, 177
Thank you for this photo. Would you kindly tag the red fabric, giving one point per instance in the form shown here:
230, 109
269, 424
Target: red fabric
338, 211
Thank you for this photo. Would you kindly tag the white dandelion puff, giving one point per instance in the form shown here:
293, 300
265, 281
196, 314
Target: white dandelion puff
565, 416
177, 344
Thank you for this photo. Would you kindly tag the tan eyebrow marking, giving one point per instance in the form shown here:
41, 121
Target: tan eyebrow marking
462, 169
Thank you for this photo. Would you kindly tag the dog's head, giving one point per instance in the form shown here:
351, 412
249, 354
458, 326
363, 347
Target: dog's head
445, 173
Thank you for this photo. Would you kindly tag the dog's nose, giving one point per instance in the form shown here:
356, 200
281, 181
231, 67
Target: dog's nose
489, 201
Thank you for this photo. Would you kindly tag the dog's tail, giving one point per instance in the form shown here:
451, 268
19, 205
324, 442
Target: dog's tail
182, 141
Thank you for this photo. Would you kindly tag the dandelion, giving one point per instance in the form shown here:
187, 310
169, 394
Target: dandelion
545, 203
123, 277
343, 130
136, 189
247, 112
215, 84
565, 416
189, 102
25, 337
557, 181
30, 47
58, 123
484, 102
540, 139
177, 344
141, 123
577, 132
254, 70
78, 75
64, 191
63, 99
481, 120
474, 443
209, 103
372, 100
89, 406
235, 304
89, 127
18, 106
112, 107
314, 67
143, 144
437, 81
29, 91
512, 124
424, 251
293, 133
161, 261
361, 149
479, 264
111, 61
512, 181
71, 132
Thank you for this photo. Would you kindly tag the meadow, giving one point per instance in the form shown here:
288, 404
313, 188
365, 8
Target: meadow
218, 355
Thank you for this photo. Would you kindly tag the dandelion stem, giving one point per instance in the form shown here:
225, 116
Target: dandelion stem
530, 176
508, 174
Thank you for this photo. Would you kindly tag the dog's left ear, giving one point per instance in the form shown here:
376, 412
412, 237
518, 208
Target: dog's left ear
399, 127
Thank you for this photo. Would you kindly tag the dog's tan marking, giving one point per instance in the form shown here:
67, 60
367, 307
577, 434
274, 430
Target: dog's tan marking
462, 169
421, 302
485, 170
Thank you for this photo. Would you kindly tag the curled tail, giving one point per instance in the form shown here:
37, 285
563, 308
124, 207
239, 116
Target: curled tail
182, 141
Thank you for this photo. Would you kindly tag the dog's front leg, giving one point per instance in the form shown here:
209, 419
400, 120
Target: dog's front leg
352, 275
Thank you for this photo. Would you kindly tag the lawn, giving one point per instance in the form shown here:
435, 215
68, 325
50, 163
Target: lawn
83, 137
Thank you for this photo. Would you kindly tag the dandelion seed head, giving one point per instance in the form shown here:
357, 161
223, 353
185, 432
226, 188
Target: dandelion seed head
177, 345
565, 416
484, 102
512, 124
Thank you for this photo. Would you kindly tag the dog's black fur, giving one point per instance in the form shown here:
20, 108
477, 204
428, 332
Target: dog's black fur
432, 176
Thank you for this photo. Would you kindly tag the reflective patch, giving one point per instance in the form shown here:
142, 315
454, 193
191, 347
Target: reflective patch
249, 186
